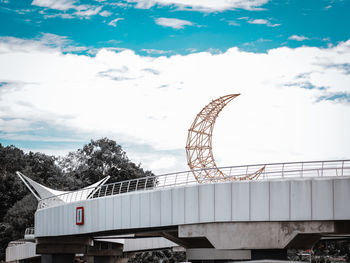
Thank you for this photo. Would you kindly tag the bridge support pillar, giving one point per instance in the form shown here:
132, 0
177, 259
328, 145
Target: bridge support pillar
57, 258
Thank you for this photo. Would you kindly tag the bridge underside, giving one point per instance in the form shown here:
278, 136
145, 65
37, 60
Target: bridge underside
219, 241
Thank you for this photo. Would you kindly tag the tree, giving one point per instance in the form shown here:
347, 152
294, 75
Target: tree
12, 159
165, 255
5, 237
16, 205
21, 215
83, 167
98, 159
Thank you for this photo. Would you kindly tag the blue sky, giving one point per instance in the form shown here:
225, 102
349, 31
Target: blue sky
138, 71
268, 25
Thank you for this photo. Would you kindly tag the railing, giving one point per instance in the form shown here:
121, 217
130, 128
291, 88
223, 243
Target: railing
29, 234
233, 173
16, 243
29, 231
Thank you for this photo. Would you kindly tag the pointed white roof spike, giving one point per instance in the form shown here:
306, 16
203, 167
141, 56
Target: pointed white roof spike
42, 192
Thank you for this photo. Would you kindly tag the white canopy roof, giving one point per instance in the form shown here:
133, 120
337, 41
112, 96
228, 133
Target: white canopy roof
43, 192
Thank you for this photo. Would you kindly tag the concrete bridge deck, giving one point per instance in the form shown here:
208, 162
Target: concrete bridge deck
299, 199
290, 205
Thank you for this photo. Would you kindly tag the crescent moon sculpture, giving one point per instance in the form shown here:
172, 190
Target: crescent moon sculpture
199, 144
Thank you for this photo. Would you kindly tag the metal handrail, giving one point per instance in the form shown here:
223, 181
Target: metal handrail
29, 231
271, 171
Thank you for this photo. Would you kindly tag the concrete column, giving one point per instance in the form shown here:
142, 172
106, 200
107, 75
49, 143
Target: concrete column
57, 258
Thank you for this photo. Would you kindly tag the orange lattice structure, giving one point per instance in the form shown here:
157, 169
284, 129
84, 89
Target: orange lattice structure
199, 144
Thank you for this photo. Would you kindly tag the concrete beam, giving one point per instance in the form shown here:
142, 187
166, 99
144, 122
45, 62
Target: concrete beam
63, 245
66, 240
194, 242
104, 252
60, 249
55, 258
255, 235
217, 254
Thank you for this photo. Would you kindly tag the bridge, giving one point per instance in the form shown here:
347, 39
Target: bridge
289, 205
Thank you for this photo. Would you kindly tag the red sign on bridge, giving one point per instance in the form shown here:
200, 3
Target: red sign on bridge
79, 219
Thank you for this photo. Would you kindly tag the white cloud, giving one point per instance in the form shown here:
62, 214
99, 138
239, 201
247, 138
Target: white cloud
172, 22
203, 5
262, 22
14, 125
142, 100
298, 38
114, 22
163, 163
87, 10
55, 4
46, 41
233, 23
156, 51
105, 13
62, 15
82, 11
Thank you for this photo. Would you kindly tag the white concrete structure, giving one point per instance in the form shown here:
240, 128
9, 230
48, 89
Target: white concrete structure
20, 250
140, 244
297, 199
17, 251
290, 205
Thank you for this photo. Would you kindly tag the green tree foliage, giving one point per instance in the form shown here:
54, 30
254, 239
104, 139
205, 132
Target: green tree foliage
98, 159
83, 167
166, 256
37, 166
16, 206
11, 190
21, 215
6, 231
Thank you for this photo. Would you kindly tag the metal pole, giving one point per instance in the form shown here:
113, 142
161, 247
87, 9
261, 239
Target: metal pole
106, 190
99, 191
113, 189
146, 183
175, 178
127, 190
137, 184
302, 169
165, 181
